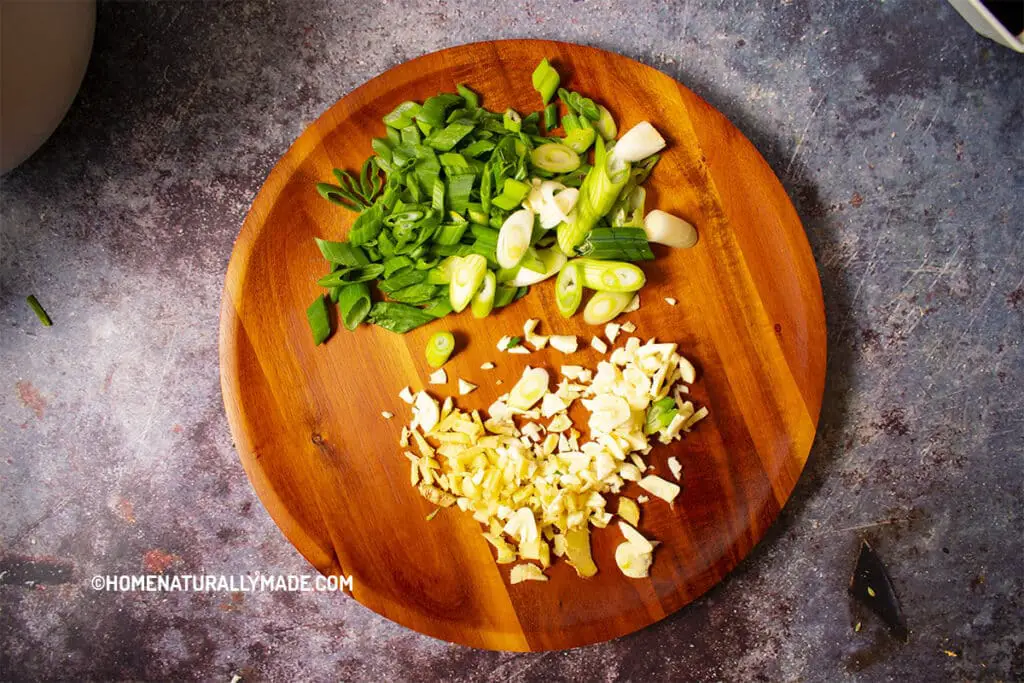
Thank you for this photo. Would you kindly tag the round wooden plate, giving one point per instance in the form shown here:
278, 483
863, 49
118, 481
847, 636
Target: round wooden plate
307, 420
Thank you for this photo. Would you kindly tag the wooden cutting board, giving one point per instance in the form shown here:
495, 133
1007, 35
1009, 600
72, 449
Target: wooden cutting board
307, 420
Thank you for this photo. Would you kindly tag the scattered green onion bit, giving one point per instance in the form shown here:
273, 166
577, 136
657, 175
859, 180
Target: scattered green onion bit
545, 80
439, 348
471, 98
319, 319
40, 312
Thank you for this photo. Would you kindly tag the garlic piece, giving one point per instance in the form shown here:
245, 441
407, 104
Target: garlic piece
661, 488
564, 343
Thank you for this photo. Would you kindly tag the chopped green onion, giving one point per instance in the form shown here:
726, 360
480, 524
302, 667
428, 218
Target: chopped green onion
354, 304
402, 115
598, 193
611, 276
439, 348
382, 146
584, 106
459, 188
439, 307
44, 318
570, 122
435, 109
555, 157
532, 261
442, 273
341, 196
426, 264
437, 196
514, 238
467, 276
451, 233
605, 124
628, 210
471, 98
642, 169
604, 306
503, 296
396, 264
545, 80
402, 280
512, 195
398, 317
346, 276
476, 214
569, 289
411, 135
342, 253
414, 294
483, 301
319, 319
551, 117
486, 189
367, 225
617, 244
478, 147
512, 121
580, 139
446, 138
553, 260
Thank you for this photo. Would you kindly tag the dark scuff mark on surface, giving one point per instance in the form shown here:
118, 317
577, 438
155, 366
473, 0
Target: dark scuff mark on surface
893, 422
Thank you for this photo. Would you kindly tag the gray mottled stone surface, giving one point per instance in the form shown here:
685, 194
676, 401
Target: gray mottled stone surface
898, 133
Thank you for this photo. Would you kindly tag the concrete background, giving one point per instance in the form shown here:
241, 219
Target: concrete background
898, 133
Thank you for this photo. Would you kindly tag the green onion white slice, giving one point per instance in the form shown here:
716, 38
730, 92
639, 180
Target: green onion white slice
605, 125
557, 202
439, 348
639, 142
467, 276
555, 157
604, 306
664, 228
514, 238
569, 289
529, 389
483, 302
611, 276
553, 260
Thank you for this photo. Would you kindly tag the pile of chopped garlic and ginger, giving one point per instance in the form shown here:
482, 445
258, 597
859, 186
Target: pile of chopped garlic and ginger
526, 475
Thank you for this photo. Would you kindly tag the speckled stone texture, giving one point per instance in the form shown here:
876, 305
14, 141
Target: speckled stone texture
898, 133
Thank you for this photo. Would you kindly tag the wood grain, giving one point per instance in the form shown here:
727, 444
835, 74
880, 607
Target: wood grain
307, 421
